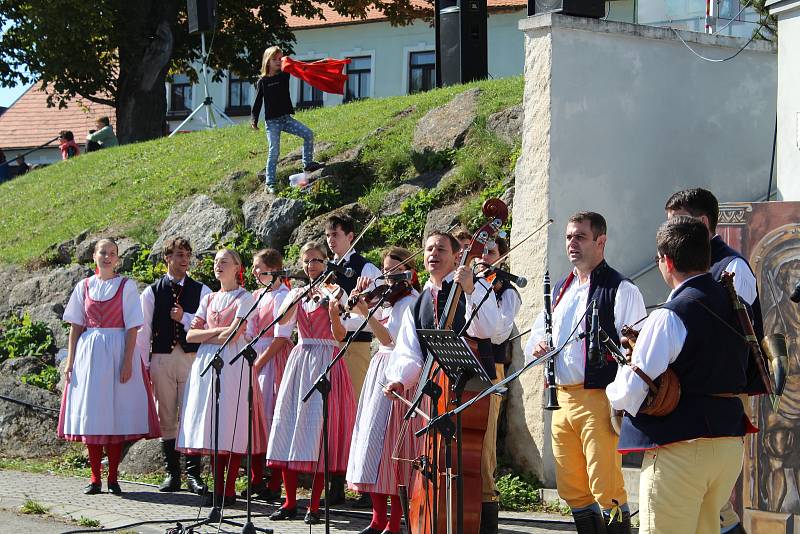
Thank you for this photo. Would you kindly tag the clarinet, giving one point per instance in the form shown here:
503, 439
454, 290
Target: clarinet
550, 366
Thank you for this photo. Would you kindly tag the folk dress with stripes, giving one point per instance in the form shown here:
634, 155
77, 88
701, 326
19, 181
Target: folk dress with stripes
196, 433
371, 467
96, 408
269, 378
295, 441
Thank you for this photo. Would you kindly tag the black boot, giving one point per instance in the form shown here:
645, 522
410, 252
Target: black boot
172, 465
489, 512
590, 522
336, 490
621, 524
194, 472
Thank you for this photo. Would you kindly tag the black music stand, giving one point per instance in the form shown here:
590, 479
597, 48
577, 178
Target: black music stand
460, 364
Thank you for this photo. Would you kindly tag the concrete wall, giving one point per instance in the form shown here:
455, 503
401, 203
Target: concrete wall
618, 117
788, 149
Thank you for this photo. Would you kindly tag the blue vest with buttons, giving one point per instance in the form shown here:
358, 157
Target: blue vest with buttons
713, 360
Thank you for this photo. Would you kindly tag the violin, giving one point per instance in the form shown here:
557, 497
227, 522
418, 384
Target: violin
391, 293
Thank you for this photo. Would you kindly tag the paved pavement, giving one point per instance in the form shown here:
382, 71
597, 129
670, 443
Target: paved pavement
142, 509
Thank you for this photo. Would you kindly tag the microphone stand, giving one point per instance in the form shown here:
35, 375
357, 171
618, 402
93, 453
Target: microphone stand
323, 385
250, 355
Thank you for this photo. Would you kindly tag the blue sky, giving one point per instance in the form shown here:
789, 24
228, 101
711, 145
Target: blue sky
9, 94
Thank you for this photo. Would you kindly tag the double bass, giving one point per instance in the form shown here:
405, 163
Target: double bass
427, 498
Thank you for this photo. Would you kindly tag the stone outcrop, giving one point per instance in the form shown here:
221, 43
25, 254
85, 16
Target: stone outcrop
272, 219
507, 124
394, 199
314, 229
446, 127
142, 457
200, 220
443, 218
28, 431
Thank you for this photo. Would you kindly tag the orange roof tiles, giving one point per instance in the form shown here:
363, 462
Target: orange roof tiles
29, 122
332, 18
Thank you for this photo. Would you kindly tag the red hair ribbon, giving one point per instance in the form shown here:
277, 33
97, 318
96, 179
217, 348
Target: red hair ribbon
241, 275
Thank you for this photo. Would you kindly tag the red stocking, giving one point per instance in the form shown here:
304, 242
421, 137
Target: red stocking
378, 511
290, 483
257, 469
396, 515
275, 479
316, 491
114, 456
95, 462
233, 472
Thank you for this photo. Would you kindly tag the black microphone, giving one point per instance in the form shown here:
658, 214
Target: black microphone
795, 296
594, 338
520, 281
336, 268
405, 275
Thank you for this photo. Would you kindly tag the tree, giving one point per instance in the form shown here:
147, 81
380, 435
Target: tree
767, 29
120, 53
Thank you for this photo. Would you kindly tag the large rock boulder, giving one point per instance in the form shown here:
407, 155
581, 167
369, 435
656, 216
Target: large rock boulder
446, 127
11, 276
394, 199
314, 229
142, 457
29, 430
442, 219
47, 286
197, 218
272, 219
507, 124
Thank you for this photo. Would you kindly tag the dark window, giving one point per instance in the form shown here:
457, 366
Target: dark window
238, 94
180, 94
359, 73
421, 71
307, 96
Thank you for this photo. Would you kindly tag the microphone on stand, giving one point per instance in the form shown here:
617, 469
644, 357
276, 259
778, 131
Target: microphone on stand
594, 338
520, 281
332, 267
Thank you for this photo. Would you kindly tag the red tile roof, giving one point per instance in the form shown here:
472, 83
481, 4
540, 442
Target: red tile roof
332, 18
29, 122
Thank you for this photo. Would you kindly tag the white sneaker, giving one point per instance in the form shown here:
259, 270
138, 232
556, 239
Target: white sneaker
270, 189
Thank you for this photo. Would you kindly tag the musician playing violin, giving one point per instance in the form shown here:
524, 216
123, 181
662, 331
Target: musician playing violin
588, 468
508, 304
441, 255
693, 455
370, 468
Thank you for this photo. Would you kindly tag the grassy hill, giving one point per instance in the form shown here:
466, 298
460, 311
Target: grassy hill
130, 189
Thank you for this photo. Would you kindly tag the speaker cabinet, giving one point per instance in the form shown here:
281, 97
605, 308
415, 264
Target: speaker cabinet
579, 8
201, 15
463, 43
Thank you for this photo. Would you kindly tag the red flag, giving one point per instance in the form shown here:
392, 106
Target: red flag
326, 74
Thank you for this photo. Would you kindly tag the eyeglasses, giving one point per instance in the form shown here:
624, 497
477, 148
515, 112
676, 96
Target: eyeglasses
313, 260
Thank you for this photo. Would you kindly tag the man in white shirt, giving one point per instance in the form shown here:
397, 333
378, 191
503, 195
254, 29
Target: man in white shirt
588, 468
168, 306
403, 370
693, 455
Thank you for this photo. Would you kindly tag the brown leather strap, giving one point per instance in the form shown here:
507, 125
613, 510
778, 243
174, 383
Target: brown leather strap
647, 380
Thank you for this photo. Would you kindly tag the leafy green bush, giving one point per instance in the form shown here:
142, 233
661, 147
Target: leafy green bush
406, 228
21, 336
518, 492
145, 270
430, 160
47, 378
320, 198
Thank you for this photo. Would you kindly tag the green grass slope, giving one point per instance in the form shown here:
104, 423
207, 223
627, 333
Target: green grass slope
130, 189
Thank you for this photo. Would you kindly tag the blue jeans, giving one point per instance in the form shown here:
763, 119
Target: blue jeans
286, 123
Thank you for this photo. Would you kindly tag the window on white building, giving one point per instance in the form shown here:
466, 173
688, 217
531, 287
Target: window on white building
307, 96
238, 94
359, 74
421, 71
180, 91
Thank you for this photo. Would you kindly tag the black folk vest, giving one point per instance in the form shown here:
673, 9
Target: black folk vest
603, 285
426, 318
166, 332
713, 360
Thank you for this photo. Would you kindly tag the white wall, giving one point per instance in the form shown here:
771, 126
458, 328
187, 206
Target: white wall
617, 118
788, 146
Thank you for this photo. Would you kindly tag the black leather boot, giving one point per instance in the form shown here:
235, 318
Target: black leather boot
621, 524
590, 522
172, 465
489, 512
194, 474
336, 490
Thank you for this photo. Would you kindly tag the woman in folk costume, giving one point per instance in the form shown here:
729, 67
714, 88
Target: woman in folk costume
379, 421
106, 401
295, 441
216, 319
273, 350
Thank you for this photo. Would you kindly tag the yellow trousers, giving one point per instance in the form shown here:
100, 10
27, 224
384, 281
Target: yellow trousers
168, 374
357, 358
588, 466
683, 486
489, 450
